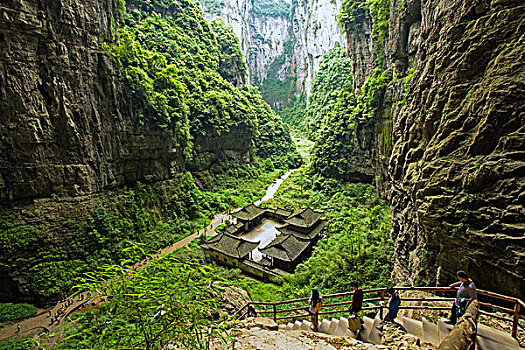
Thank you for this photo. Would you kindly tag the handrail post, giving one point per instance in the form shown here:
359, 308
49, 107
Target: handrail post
515, 320
274, 313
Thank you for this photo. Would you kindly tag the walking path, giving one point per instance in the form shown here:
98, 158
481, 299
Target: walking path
42, 321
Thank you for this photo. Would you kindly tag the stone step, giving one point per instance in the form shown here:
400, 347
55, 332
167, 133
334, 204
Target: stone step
333, 325
296, 326
430, 332
305, 325
443, 329
342, 328
367, 328
324, 326
375, 336
489, 338
412, 326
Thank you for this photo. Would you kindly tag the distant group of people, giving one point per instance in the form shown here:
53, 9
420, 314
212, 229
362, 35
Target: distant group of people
466, 293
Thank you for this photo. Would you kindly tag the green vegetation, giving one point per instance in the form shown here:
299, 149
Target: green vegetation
213, 6
337, 135
357, 247
231, 63
16, 312
168, 302
278, 92
334, 75
153, 215
353, 14
17, 344
186, 75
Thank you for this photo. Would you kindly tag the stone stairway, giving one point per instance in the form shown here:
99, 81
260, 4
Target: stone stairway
339, 327
487, 339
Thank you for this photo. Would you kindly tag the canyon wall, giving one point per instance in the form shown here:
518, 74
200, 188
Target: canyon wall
446, 145
458, 162
65, 124
282, 44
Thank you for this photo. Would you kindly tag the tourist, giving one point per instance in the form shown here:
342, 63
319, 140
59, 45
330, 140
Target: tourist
393, 307
315, 302
49, 312
58, 320
357, 299
18, 328
464, 296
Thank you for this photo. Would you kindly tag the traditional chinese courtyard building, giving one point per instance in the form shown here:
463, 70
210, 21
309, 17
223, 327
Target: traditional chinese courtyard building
301, 232
250, 216
227, 249
296, 232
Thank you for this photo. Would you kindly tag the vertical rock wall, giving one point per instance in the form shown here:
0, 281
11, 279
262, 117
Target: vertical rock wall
282, 46
315, 31
458, 163
65, 126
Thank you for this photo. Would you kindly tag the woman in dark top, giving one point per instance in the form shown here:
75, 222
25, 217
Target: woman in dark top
357, 300
315, 302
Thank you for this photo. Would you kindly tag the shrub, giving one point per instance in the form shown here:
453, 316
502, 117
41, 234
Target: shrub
16, 312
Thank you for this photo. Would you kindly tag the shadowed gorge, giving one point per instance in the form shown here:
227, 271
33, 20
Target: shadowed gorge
135, 133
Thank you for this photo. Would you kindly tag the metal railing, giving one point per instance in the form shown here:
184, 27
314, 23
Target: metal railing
278, 310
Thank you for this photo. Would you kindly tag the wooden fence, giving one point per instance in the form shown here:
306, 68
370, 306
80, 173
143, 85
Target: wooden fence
339, 303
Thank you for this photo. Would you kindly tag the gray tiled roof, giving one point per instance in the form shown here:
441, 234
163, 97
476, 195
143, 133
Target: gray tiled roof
286, 247
281, 212
233, 229
305, 217
230, 245
249, 212
288, 230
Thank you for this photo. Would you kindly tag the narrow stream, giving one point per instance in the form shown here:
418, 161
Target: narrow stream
270, 191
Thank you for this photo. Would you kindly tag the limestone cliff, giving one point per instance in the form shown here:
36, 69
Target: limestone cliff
445, 143
65, 124
457, 167
283, 41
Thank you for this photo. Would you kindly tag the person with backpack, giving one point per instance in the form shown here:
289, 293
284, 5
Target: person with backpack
315, 302
465, 295
393, 307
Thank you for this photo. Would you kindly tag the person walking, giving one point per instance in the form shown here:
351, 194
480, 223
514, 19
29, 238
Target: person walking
357, 299
315, 303
18, 328
393, 307
354, 321
465, 295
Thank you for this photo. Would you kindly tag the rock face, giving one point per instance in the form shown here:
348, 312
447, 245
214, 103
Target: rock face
315, 29
282, 45
458, 162
66, 127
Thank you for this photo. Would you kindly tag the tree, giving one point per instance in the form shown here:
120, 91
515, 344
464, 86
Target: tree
167, 302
